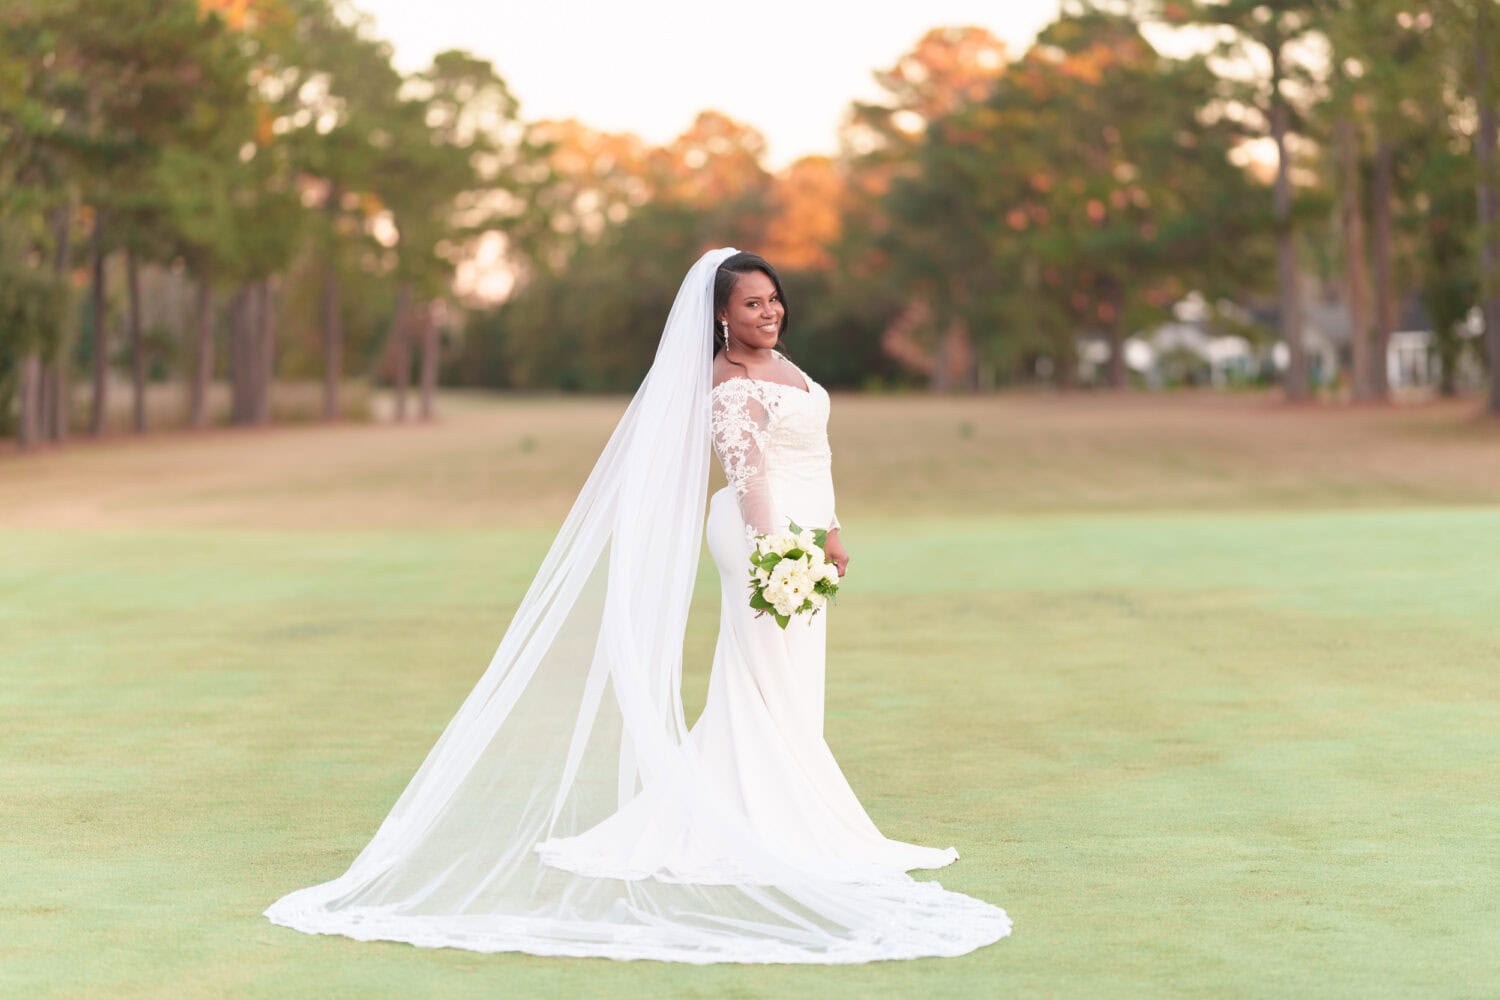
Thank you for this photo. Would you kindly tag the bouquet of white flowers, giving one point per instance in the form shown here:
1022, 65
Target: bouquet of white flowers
790, 573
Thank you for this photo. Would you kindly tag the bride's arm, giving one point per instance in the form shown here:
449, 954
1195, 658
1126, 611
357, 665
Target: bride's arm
739, 422
833, 546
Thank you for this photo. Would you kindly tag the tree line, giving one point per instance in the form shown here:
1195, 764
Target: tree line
996, 208
333, 216
266, 154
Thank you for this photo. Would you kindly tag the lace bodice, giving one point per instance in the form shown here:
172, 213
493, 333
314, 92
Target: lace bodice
772, 440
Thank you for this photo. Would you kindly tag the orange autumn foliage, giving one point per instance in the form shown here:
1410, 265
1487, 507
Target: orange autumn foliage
947, 67
716, 159
236, 13
807, 202
597, 176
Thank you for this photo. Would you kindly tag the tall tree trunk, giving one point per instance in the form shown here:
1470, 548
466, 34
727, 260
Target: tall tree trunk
137, 341
57, 392
203, 356
265, 363
56, 384
333, 346
56, 401
252, 352
240, 351
333, 335
1065, 362
47, 407
401, 346
954, 366
1111, 298
100, 330
1286, 247
1447, 352
30, 399
942, 361
955, 363
1386, 296
29, 424
431, 341
1114, 371
1489, 239
1356, 273
968, 358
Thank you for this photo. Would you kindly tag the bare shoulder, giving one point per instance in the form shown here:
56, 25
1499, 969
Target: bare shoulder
724, 369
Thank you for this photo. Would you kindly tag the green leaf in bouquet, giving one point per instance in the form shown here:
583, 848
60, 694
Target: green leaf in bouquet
820, 535
794, 528
782, 620
758, 601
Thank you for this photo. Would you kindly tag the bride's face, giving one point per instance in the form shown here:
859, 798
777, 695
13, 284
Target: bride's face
754, 312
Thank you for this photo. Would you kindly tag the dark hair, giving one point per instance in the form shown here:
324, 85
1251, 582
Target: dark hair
728, 275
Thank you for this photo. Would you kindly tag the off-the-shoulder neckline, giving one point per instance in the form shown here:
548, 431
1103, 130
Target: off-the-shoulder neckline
766, 381
763, 381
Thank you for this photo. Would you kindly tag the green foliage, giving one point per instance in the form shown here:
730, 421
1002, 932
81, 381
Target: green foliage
595, 326
1087, 192
835, 330
1080, 188
246, 143
33, 308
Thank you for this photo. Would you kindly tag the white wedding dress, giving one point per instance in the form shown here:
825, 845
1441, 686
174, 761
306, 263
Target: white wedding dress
567, 809
760, 736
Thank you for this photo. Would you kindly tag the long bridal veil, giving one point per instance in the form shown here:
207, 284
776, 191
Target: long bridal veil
579, 711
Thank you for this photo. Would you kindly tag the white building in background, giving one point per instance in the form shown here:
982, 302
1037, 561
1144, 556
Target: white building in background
1187, 350
1409, 363
1183, 350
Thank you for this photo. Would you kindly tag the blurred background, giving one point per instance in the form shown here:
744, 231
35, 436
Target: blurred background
1162, 341
247, 211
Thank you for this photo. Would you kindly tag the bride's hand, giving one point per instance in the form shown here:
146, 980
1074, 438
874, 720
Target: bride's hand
833, 547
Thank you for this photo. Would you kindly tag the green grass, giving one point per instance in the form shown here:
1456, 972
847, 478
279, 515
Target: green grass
1217, 753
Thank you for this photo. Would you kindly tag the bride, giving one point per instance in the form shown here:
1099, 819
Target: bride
567, 809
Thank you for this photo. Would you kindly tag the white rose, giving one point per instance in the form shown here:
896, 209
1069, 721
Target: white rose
798, 584
806, 540
819, 601
791, 570
829, 572
783, 542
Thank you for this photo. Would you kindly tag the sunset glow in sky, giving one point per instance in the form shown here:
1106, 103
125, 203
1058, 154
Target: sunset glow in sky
788, 68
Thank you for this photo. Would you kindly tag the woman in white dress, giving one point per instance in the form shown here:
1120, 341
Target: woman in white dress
760, 736
567, 809
762, 728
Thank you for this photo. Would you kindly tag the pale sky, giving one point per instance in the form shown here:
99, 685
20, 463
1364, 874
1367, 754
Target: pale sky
788, 68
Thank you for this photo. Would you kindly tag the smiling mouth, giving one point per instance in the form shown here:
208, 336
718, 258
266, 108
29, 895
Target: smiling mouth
771, 327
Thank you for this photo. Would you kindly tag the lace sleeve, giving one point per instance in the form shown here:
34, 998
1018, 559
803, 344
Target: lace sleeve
739, 422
